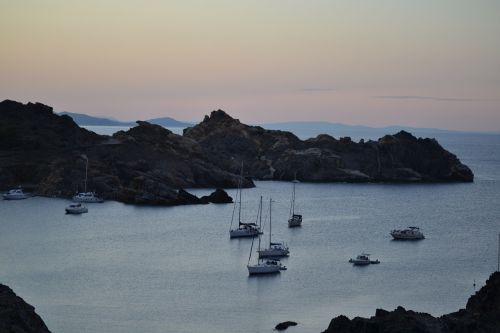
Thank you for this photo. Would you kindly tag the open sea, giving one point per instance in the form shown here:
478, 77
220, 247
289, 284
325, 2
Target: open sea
123, 268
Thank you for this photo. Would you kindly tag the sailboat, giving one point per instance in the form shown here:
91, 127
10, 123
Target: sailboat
87, 196
295, 220
263, 266
276, 249
244, 229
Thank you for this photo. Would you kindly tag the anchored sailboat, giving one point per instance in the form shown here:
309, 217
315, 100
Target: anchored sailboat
86, 196
295, 220
275, 249
263, 266
244, 229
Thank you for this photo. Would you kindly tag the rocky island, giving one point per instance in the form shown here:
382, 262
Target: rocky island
481, 315
149, 164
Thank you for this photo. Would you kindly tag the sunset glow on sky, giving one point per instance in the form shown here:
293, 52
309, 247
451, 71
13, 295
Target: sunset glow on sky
377, 63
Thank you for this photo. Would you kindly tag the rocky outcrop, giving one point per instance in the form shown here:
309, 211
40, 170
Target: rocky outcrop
17, 316
218, 196
481, 315
148, 164
270, 154
284, 325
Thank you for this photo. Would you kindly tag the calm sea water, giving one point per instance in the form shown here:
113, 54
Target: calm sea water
122, 268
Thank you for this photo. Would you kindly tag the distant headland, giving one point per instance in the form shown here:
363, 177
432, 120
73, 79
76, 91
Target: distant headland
149, 164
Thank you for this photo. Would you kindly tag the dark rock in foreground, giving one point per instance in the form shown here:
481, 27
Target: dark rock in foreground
284, 325
481, 315
17, 316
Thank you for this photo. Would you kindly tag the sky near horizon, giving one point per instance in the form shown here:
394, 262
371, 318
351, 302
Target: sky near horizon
376, 63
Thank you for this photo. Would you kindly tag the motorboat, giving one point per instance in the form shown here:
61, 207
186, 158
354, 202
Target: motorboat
244, 229
363, 259
275, 249
295, 220
89, 197
76, 208
15, 194
267, 266
412, 233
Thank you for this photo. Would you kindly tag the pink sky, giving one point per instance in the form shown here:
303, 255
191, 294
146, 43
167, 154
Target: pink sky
376, 63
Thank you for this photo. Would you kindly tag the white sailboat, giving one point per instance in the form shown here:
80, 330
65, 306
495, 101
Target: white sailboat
263, 266
243, 229
275, 249
89, 197
295, 220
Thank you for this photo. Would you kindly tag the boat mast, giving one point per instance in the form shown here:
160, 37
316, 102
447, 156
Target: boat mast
270, 203
239, 187
498, 263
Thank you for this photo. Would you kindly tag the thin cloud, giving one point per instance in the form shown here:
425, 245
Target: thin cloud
317, 89
431, 98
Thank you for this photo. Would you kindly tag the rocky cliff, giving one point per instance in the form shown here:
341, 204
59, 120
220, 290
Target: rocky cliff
481, 315
148, 164
271, 154
17, 316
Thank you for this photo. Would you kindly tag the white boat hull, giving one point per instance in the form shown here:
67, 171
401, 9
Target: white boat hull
407, 234
87, 198
265, 268
15, 196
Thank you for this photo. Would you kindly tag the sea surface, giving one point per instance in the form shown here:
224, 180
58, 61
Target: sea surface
123, 268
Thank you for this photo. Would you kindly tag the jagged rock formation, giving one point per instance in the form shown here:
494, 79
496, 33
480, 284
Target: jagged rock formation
271, 154
148, 164
17, 316
45, 152
481, 315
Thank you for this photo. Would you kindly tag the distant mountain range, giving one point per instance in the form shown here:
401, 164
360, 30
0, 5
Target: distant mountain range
303, 129
86, 120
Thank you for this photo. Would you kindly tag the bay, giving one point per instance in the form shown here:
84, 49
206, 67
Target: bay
123, 268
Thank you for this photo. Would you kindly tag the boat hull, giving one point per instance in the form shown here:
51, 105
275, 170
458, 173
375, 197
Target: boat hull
263, 269
273, 253
294, 222
240, 233
15, 197
87, 199
76, 211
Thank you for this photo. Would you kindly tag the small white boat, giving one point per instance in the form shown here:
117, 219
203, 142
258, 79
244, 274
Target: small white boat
89, 197
276, 249
76, 208
267, 266
363, 259
295, 220
15, 194
411, 233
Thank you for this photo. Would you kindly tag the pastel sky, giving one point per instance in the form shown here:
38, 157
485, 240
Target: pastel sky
425, 63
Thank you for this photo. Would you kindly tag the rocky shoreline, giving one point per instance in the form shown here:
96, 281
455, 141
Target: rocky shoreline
17, 316
149, 164
481, 315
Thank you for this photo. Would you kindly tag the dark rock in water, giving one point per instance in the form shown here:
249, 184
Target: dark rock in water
284, 325
279, 155
17, 316
481, 315
218, 196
